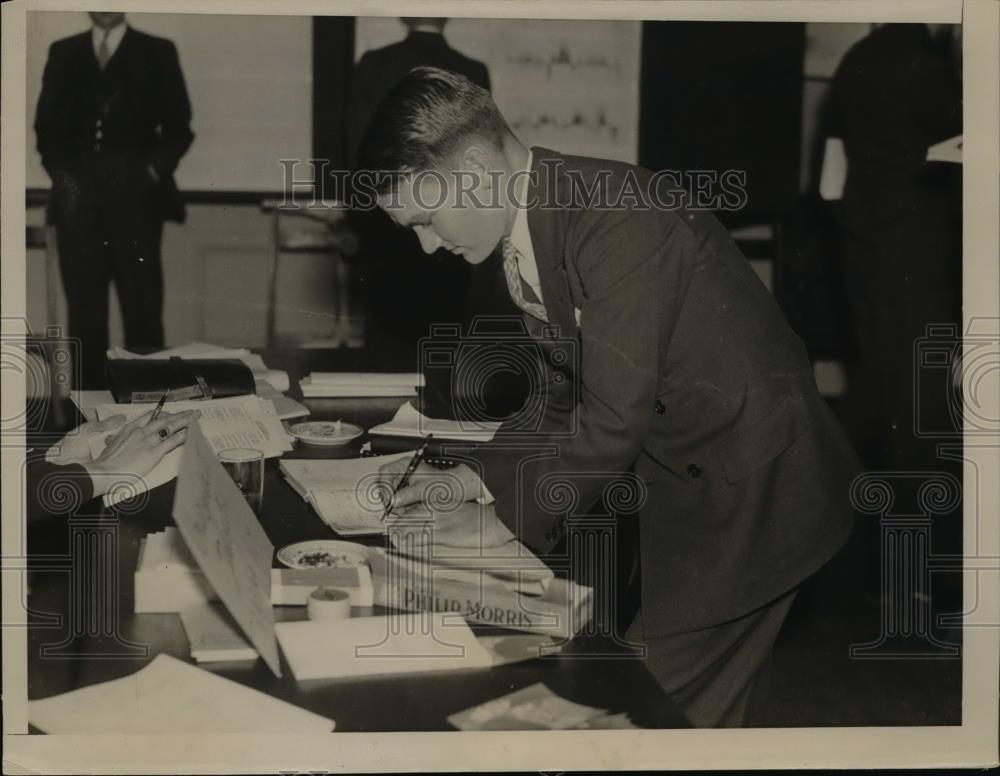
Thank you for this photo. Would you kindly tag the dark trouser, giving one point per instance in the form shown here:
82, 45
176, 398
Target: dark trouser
718, 676
108, 226
903, 273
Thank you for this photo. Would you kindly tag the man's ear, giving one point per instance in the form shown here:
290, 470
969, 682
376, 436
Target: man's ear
478, 162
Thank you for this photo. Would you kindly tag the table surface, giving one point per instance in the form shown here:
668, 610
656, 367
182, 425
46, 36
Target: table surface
592, 669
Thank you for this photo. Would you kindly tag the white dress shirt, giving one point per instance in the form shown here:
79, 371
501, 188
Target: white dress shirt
520, 238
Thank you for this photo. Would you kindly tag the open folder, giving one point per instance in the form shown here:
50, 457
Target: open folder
344, 492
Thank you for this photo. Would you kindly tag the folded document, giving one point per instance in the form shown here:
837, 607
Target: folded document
409, 422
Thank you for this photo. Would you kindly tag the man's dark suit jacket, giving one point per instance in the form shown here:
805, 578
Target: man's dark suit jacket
689, 372
895, 93
139, 99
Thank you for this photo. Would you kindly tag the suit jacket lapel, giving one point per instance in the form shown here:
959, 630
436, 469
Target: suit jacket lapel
86, 55
547, 240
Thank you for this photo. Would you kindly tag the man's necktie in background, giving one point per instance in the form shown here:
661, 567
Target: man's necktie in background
103, 52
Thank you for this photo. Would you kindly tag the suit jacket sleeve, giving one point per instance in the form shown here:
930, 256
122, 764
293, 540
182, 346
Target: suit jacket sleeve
49, 124
175, 115
631, 268
53, 489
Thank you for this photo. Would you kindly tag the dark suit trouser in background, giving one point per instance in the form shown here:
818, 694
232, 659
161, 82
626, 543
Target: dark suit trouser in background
718, 676
109, 226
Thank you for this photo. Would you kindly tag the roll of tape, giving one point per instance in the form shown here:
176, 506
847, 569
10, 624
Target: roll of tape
328, 603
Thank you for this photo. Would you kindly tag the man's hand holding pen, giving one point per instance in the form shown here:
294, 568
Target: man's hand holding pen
450, 500
440, 488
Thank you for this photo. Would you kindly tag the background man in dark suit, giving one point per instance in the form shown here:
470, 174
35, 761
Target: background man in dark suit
897, 92
687, 371
112, 124
405, 292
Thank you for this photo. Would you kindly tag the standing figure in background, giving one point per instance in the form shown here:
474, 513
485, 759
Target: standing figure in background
112, 124
404, 291
896, 92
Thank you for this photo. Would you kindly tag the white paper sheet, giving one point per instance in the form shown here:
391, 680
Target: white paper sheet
171, 696
949, 150
397, 379
371, 646
410, 422
238, 421
226, 540
320, 384
88, 401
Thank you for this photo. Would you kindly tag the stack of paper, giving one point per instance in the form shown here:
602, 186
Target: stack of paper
171, 696
345, 384
344, 492
409, 422
374, 646
239, 421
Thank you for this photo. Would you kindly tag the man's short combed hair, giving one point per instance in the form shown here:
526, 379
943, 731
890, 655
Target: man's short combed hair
422, 120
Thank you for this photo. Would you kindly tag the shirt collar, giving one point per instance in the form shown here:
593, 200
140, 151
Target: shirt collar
115, 35
520, 237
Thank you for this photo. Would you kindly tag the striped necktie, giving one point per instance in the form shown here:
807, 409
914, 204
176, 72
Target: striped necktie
513, 275
103, 52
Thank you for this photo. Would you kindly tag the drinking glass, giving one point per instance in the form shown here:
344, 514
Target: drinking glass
246, 467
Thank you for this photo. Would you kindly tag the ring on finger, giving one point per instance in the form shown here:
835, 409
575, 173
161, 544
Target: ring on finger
163, 433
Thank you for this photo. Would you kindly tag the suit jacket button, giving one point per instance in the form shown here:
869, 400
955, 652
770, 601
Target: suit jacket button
694, 471
658, 408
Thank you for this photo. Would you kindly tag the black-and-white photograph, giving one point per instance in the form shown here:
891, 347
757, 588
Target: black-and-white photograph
517, 371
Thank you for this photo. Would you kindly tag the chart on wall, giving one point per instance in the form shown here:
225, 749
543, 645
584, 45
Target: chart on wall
569, 85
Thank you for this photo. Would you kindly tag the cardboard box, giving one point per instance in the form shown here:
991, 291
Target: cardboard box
413, 585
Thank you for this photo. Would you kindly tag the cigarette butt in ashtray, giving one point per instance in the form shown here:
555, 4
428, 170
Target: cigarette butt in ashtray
328, 603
